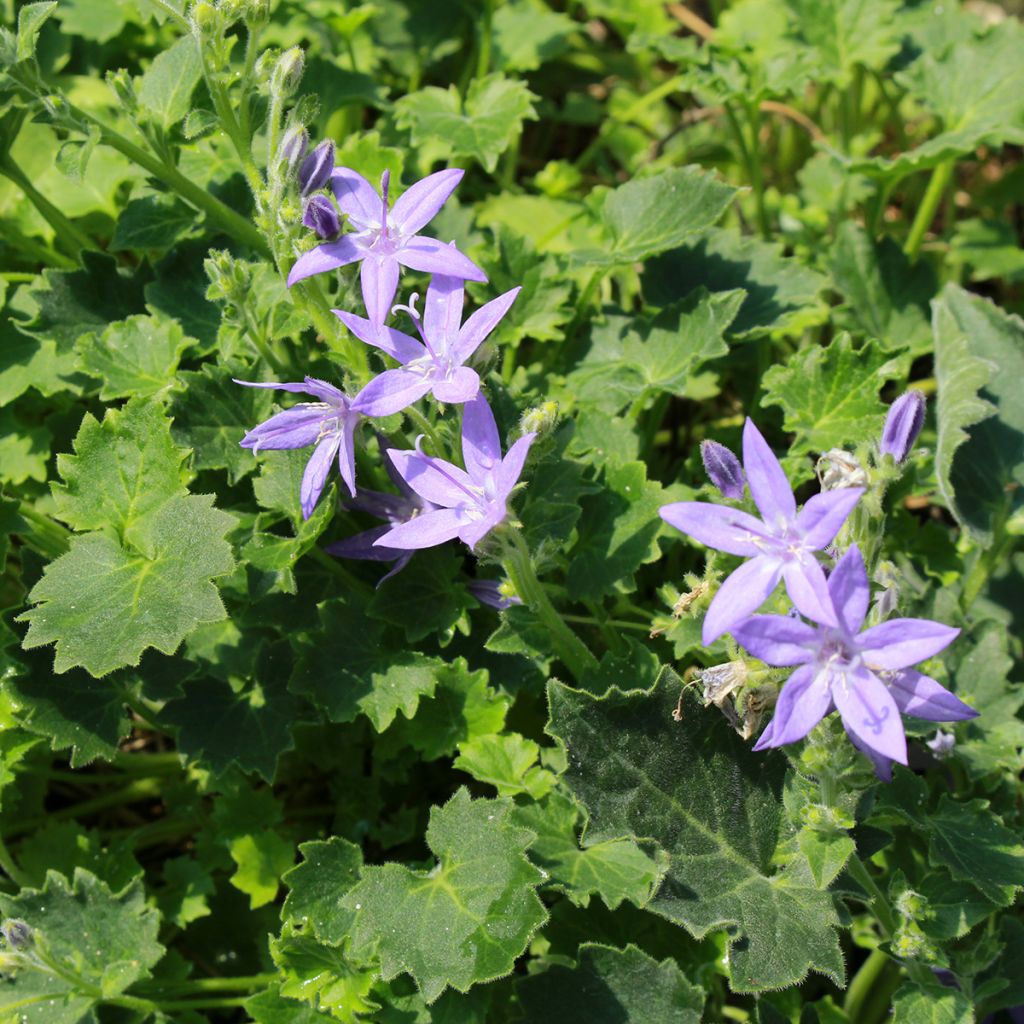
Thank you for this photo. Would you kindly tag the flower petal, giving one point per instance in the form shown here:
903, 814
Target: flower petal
297, 427
434, 479
442, 310
362, 546
777, 639
900, 643
849, 590
328, 256
481, 323
379, 279
742, 593
314, 478
803, 703
420, 202
396, 344
921, 696
347, 453
716, 526
512, 465
473, 532
823, 515
870, 713
881, 763
390, 392
434, 257
425, 531
357, 198
808, 590
768, 484
310, 386
481, 446
462, 386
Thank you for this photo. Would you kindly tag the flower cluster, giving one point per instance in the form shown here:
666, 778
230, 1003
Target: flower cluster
437, 501
865, 674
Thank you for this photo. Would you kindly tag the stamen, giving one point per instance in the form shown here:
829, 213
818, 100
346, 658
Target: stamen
385, 181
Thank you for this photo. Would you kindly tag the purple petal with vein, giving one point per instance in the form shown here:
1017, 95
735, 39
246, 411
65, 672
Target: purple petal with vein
870, 713
900, 643
481, 323
822, 516
419, 204
777, 639
378, 277
434, 257
434, 479
803, 702
328, 256
740, 595
463, 385
512, 465
716, 526
849, 590
921, 696
426, 530
357, 198
314, 478
808, 590
390, 392
768, 484
481, 446
442, 307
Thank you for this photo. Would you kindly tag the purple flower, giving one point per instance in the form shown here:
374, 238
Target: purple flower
780, 545
902, 425
434, 364
489, 592
328, 423
385, 239
867, 676
320, 215
723, 469
394, 509
293, 148
471, 501
316, 169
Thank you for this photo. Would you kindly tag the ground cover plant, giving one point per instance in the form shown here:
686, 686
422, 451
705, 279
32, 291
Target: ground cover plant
511, 511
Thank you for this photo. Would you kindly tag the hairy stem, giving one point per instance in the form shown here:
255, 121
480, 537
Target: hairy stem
941, 177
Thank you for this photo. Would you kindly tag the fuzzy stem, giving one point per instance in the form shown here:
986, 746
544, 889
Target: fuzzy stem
568, 646
66, 231
940, 178
863, 983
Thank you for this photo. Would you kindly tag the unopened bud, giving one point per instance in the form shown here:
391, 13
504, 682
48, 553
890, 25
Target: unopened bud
288, 72
942, 744
494, 593
540, 419
123, 88
293, 148
902, 425
16, 934
316, 169
205, 16
320, 215
723, 469
838, 468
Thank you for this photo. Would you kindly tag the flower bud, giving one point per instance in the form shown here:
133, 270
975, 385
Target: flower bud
540, 419
205, 16
16, 934
316, 169
723, 468
719, 681
320, 215
288, 72
902, 425
123, 88
293, 148
493, 593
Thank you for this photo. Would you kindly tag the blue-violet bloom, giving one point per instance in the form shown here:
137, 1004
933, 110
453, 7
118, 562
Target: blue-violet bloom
386, 239
328, 423
780, 545
320, 216
490, 593
902, 425
435, 363
316, 169
865, 675
723, 469
393, 509
472, 501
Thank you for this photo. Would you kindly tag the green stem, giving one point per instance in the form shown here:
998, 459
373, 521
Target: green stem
519, 567
66, 231
878, 903
48, 537
175, 16
10, 867
757, 169
483, 57
863, 984
426, 427
167, 763
251, 982
987, 561
589, 620
940, 178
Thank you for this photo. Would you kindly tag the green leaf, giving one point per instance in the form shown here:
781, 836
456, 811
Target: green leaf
647, 216
508, 762
989, 248
151, 223
30, 20
979, 461
611, 986
123, 470
829, 396
615, 870
617, 531
350, 670
134, 357
780, 291
826, 853
271, 1007
887, 295
528, 34
184, 896
104, 604
482, 127
464, 922
24, 450
211, 416
633, 766
99, 943
63, 846
328, 871
100, 20
165, 90
930, 1003
261, 858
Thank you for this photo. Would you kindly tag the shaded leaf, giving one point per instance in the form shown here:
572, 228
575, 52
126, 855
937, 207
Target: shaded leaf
328, 870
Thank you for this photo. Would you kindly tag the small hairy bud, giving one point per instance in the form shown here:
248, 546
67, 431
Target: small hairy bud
205, 16
16, 934
316, 169
320, 216
723, 469
121, 85
540, 419
902, 425
293, 148
838, 468
288, 72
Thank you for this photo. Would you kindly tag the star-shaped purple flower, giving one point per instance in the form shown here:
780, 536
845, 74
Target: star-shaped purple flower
394, 509
866, 676
780, 545
329, 424
434, 364
471, 501
385, 239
